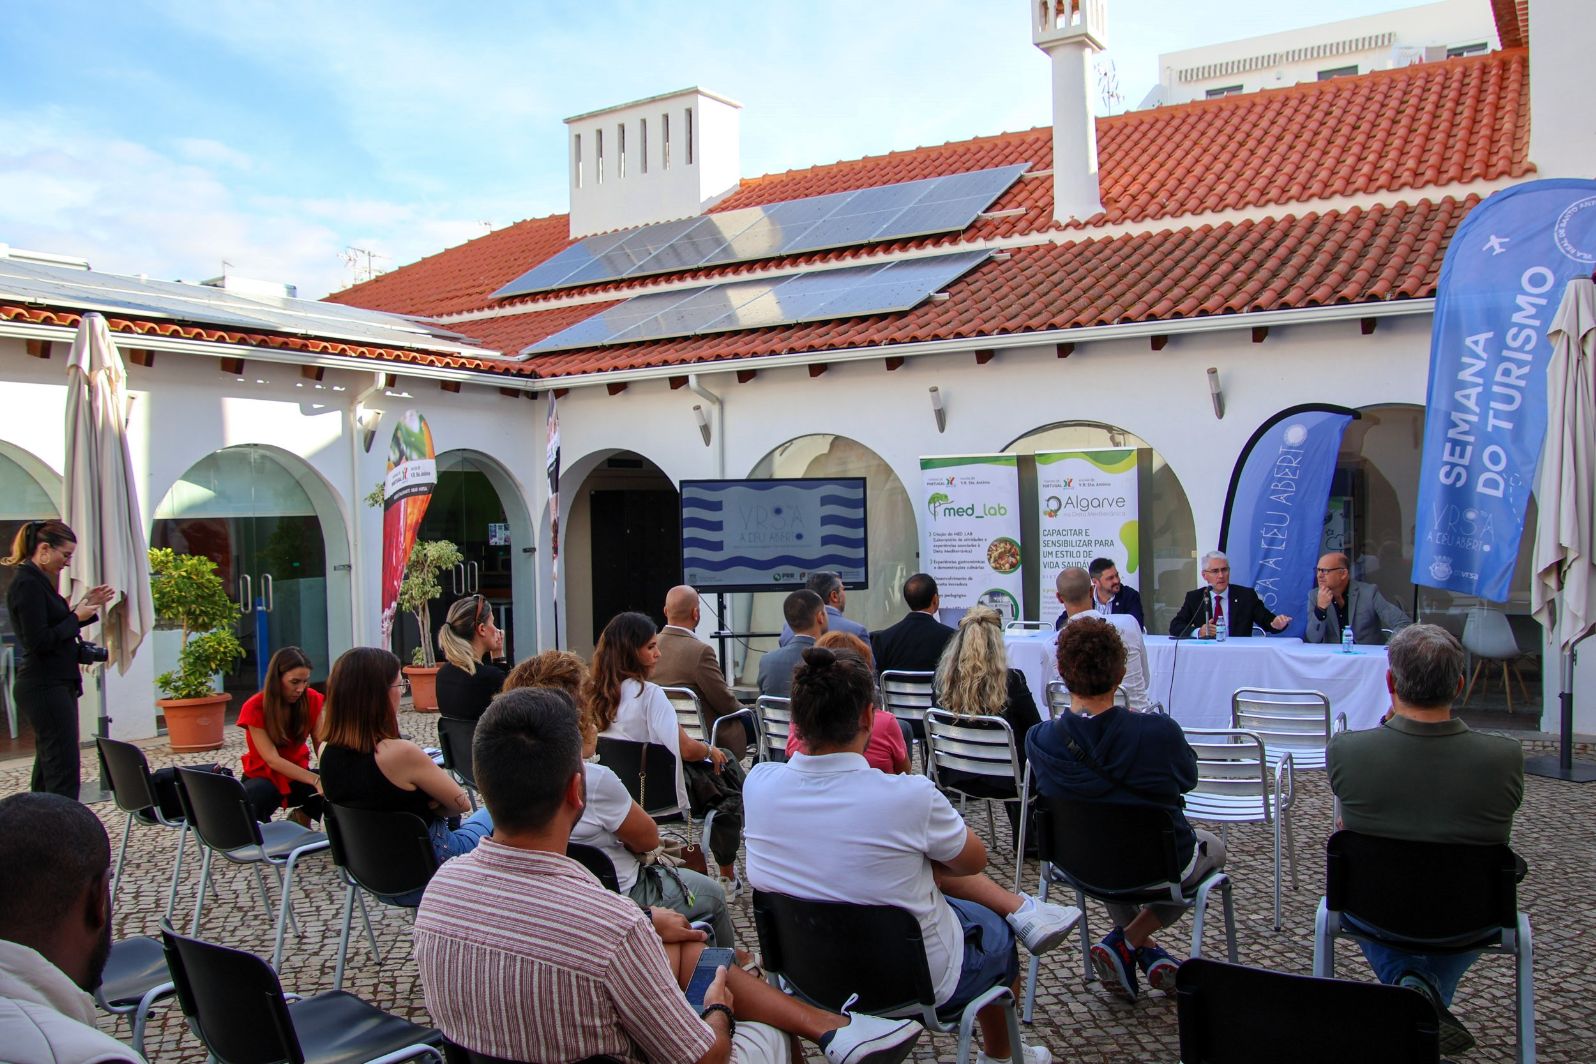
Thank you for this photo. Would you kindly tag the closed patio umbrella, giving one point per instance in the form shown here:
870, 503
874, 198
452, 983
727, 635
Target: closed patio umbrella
1563, 595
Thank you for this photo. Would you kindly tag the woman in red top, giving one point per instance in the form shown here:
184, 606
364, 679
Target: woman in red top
276, 724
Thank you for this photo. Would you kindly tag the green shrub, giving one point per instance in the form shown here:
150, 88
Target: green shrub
190, 597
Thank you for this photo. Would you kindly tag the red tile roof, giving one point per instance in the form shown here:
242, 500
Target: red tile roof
1512, 22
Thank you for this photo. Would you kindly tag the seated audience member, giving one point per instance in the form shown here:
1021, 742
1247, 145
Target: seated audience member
1337, 600
626, 704
915, 643
687, 661
522, 955
1425, 776
886, 749
826, 827
1101, 752
1235, 604
806, 618
1074, 587
471, 644
1110, 596
366, 765
829, 587
55, 932
973, 679
277, 721
614, 823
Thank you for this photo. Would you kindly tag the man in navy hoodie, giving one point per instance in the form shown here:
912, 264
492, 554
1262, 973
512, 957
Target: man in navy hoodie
1111, 754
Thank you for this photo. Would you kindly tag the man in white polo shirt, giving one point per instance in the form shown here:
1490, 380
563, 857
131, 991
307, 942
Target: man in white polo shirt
827, 827
1074, 586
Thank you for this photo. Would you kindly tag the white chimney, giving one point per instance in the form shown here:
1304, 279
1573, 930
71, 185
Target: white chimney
1071, 32
653, 160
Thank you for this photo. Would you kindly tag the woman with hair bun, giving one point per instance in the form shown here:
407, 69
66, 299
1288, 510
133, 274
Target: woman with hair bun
472, 646
886, 749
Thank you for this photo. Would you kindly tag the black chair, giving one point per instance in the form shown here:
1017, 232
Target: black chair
454, 739
124, 768
648, 772
134, 980
825, 952
235, 1005
216, 807
1118, 853
1428, 897
385, 853
596, 861
1235, 1015
458, 1054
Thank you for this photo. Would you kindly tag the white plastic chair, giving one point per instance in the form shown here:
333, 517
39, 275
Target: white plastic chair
1488, 637
980, 746
1289, 722
1233, 787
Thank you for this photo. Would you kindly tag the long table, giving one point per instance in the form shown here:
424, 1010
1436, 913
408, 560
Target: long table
1194, 678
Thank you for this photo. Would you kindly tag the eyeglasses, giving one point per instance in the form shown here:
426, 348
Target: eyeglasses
1221, 569
403, 687
1337, 569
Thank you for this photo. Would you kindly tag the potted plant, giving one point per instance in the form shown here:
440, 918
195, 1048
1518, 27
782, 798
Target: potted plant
190, 597
420, 586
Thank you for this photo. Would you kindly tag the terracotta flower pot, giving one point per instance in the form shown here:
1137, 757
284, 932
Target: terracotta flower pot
194, 723
423, 687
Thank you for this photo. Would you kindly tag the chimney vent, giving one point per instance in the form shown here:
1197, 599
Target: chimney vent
1072, 32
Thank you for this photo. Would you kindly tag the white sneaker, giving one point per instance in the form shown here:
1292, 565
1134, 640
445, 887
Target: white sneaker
873, 1040
1041, 925
733, 886
1028, 1054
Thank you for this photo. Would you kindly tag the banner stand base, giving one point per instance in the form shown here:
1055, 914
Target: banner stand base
1550, 766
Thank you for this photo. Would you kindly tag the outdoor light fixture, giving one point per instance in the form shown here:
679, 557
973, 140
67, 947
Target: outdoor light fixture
703, 422
1216, 393
367, 419
938, 410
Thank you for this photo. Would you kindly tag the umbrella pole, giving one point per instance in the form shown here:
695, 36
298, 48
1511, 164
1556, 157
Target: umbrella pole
1563, 766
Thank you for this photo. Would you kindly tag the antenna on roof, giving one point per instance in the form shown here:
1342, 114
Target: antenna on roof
362, 263
1108, 94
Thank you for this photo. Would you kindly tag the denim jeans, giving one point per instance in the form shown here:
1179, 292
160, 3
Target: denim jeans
1444, 970
446, 844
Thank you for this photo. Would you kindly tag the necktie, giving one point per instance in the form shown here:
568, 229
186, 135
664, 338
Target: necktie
1219, 608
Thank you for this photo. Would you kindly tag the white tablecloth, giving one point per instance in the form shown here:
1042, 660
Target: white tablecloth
1198, 694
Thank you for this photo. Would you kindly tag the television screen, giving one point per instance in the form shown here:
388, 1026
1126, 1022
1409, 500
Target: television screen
769, 535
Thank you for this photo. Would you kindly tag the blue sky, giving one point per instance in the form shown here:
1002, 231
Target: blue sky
167, 137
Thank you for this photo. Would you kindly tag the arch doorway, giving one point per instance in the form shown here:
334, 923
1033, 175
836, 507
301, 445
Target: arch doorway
29, 491
273, 528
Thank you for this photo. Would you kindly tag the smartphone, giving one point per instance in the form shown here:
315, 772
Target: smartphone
709, 962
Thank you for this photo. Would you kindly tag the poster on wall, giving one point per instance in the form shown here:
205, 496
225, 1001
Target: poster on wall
1087, 508
971, 533
406, 491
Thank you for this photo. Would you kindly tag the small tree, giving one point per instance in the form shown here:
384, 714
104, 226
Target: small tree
190, 597
421, 586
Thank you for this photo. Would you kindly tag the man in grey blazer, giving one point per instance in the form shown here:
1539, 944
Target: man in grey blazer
1338, 600
805, 614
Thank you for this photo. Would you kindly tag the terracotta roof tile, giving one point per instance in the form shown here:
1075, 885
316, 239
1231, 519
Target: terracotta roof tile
1512, 22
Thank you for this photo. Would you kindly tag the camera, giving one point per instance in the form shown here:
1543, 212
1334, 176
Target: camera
92, 653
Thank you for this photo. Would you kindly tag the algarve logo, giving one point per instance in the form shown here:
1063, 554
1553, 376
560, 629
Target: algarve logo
1053, 505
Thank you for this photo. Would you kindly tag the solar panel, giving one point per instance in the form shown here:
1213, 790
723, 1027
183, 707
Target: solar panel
816, 223
819, 295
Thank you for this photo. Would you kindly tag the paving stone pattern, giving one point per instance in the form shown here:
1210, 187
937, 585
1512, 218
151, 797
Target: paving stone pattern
1555, 832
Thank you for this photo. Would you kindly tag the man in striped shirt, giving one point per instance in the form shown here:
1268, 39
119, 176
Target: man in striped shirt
522, 955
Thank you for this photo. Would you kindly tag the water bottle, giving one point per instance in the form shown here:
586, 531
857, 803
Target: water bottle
1346, 639
1221, 630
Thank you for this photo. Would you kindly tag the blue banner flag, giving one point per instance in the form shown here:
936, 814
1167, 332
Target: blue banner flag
1485, 416
1274, 516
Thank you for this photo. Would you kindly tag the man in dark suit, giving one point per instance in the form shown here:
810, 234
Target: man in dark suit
805, 614
1109, 595
1238, 606
687, 661
915, 643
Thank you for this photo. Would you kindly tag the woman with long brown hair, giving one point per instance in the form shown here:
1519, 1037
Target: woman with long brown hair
277, 721
49, 678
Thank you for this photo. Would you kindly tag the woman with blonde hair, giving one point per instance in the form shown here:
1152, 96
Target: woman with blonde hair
886, 750
472, 645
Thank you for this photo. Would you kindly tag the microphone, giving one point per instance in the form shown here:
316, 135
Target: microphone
1198, 621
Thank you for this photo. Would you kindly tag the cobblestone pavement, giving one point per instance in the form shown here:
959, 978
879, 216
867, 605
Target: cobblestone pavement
1555, 832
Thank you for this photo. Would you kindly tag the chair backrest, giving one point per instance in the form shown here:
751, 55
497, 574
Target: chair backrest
384, 851
1058, 699
689, 712
233, 1000
454, 739
1108, 848
1027, 626
127, 770
647, 770
1487, 633
1446, 895
775, 724
1231, 765
458, 1054
596, 861
216, 809
981, 746
1231, 1014
906, 695
829, 950
1286, 721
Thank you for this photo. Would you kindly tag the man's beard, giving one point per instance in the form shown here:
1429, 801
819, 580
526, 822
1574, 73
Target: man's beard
97, 959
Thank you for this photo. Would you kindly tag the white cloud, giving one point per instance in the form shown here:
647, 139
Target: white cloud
205, 151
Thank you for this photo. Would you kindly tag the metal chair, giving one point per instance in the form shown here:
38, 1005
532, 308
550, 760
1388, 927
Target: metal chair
824, 952
1289, 722
1427, 897
454, 739
1233, 787
235, 1005
1488, 637
1230, 1014
124, 767
596, 861
1119, 853
8, 681
134, 980
696, 721
387, 854
982, 747
1028, 626
458, 1054
775, 724
648, 771
215, 805
907, 695
1058, 699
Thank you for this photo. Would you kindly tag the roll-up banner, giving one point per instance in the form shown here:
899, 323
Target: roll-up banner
1087, 504
1485, 418
1275, 513
970, 539
406, 491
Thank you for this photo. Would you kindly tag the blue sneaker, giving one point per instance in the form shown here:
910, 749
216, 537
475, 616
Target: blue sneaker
1115, 963
1159, 967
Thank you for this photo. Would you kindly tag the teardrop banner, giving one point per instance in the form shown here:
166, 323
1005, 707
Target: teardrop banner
406, 491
